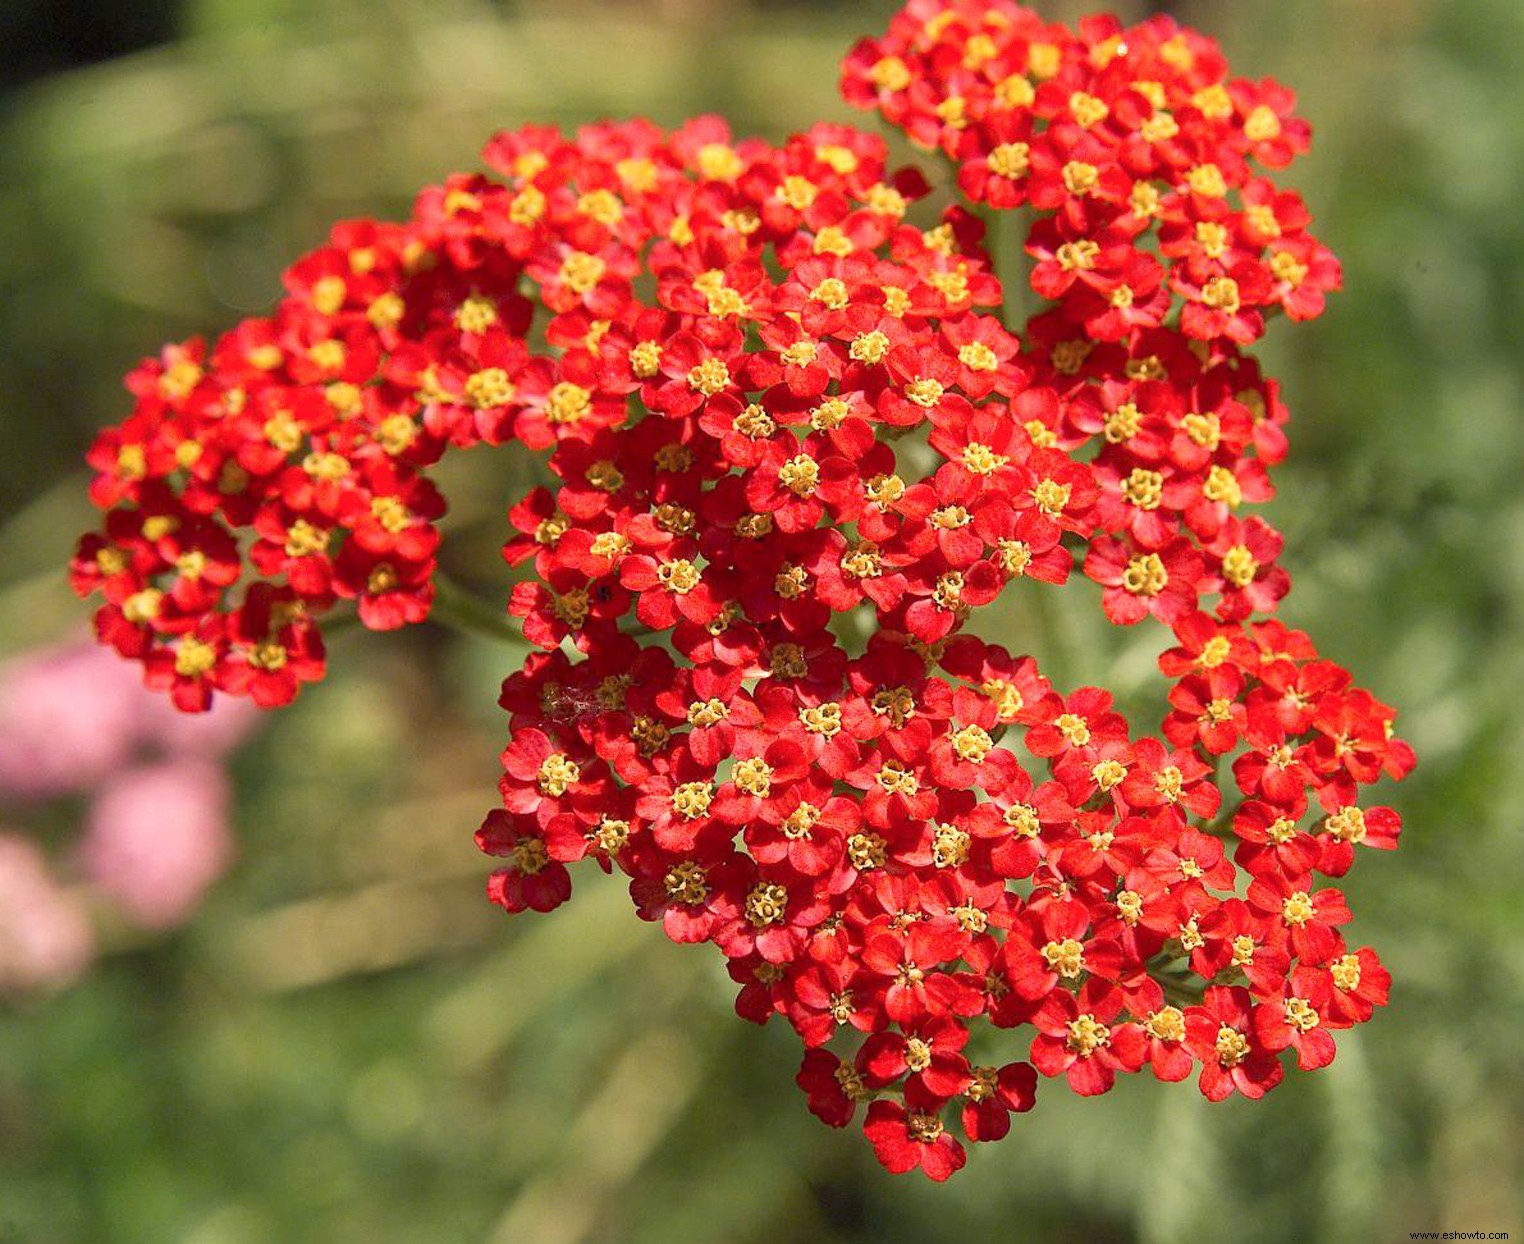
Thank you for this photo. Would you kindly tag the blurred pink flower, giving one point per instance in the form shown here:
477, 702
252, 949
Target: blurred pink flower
212, 734
45, 934
156, 838
65, 720
73, 714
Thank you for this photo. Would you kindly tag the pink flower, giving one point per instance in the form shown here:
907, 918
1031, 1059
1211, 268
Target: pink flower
65, 719
72, 715
45, 937
212, 734
156, 838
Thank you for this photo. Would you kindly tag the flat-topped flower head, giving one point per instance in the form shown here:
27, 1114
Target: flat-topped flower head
791, 456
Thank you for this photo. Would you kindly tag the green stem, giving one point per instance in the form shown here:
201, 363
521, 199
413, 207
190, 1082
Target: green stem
338, 623
462, 611
1004, 247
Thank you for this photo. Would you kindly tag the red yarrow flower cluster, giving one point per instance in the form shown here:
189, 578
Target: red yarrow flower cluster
780, 411
1136, 149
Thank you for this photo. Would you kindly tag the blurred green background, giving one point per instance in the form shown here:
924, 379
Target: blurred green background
347, 1044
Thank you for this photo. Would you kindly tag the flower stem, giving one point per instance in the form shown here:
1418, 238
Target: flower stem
469, 614
1003, 246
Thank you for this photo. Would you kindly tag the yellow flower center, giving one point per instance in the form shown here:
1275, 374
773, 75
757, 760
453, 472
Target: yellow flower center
283, 432
799, 823
976, 356
1087, 1034
686, 883
567, 403
1074, 728
1021, 820
1016, 92
1145, 200
1222, 295
1051, 497
1262, 125
707, 712
680, 576
949, 846
390, 513
972, 743
867, 851
1231, 1047
981, 459
1347, 825
755, 777
953, 112
831, 413
1166, 1024
1143, 488
1122, 424
823, 719
1108, 773
1067, 958
1239, 566
709, 377
490, 387
1145, 575
861, 561
787, 661
897, 780
1159, 128
605, 476
558, 773
691, 800
1078, 256
884, 490
1223, 486
1204, 430
143, 606
890, 74
1168, 782
1297, 910
798, 192
602, 206
754, 422
1080, 178
1007, 698
895, 703
925, 393
1214, 102
1288, 268
529, 856
1087, 109
1301, 1015
800, 475
269, 655
1009, 160
765, 905
1346, 973
194, 657
923, 1127
611, 836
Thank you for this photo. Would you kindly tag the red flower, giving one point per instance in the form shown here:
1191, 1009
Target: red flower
1140, 582
1079, 1038
787, 453
993, 1095
910, 1136
1296, 1019
1221, 1035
